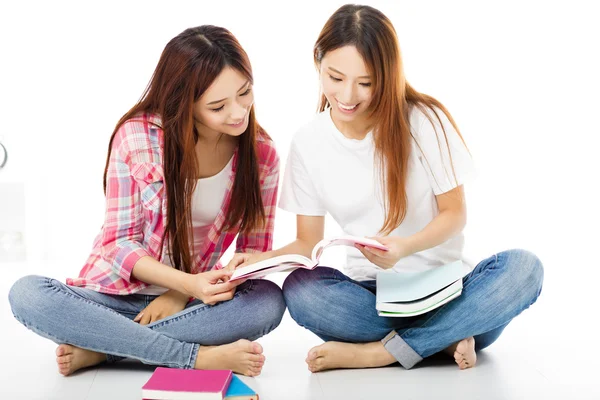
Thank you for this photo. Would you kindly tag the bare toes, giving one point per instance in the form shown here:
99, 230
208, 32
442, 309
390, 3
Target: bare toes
63, 349
257, 348
256, 357
65, 358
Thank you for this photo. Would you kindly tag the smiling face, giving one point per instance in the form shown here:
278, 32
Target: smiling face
346, 83
225, 105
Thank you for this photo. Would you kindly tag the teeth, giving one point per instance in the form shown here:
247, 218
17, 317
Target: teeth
345, 107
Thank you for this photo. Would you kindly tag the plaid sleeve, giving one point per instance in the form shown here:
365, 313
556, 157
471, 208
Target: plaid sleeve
122, 234
261, 239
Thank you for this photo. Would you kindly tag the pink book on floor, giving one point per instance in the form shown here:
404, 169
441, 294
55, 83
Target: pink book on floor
184, 384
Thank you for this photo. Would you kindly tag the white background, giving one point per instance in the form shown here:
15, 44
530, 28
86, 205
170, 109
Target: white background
520, 78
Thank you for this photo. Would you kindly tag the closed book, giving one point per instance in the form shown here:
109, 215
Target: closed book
187, 384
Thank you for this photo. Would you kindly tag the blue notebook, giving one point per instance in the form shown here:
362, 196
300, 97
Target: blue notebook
238, 390
395, 286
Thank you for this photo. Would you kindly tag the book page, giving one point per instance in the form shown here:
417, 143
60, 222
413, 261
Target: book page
275, 264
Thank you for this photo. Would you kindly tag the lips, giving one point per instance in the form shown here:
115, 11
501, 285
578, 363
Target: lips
237, 124
347, 107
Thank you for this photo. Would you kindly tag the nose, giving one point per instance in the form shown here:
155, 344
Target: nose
238, 111
347, 94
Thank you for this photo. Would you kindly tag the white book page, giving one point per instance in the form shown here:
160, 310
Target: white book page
275, 264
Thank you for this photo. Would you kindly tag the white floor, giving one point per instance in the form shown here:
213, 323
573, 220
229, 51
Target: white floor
537, 357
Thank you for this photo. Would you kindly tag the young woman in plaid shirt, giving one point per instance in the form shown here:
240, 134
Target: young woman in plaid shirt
188, 168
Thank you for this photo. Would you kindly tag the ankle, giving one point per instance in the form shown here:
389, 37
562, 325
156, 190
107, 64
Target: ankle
377, 355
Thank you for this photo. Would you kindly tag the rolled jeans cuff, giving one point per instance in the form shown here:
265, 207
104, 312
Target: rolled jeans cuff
401, 351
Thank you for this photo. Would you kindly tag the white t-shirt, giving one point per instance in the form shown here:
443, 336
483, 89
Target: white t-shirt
207, 201
327, 172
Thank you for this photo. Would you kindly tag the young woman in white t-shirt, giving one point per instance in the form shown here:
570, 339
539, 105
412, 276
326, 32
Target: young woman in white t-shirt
388, 162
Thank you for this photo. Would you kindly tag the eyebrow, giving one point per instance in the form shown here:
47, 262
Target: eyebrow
341, 73
218, 101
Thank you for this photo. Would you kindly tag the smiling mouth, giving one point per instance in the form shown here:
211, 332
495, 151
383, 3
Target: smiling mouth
237, 124
347, 107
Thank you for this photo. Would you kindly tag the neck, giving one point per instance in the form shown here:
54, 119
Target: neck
356, 129
210, 138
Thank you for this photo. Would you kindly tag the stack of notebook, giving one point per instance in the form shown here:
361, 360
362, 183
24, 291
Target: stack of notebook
190, 384
406, 294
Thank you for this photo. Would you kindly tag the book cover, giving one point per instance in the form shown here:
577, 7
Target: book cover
187, 384
393, 286
238, 390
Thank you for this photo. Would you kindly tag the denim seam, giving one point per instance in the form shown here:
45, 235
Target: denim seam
193, 355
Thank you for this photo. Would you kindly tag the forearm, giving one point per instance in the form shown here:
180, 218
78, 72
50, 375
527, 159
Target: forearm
148, 270
443, 227
298, 246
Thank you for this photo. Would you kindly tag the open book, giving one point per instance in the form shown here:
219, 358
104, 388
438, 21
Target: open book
406, 294
293, 261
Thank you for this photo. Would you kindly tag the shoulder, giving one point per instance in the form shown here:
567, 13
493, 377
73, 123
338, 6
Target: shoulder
427, 123
311, 133
141, 133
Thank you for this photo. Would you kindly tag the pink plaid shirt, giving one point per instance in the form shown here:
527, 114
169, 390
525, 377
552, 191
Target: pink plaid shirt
135, 215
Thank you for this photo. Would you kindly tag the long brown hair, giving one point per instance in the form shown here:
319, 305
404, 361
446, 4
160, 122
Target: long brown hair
187, 67
375, 39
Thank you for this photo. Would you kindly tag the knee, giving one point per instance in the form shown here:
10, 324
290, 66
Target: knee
296, 284
301, 291
527, 268
23, 293
270, 304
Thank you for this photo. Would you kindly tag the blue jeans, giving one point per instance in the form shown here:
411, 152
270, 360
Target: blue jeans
104, 323
335, 307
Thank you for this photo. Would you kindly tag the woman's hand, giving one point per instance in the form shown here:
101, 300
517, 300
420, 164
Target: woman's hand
212, 287
398, 247
242, 259
167, 304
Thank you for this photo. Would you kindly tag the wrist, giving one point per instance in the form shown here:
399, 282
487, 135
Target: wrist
184, 284
408, 244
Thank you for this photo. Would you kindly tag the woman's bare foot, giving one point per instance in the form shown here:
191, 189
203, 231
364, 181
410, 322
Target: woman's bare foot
331, 355
463, 353
243, 357
71, 358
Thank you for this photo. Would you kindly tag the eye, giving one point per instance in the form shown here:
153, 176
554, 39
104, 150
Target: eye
335, 79
365, 84
217, 109
246, 92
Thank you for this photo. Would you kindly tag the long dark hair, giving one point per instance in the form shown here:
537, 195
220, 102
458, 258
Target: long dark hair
375, 39
187, 67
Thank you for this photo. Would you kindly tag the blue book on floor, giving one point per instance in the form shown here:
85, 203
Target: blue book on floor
238, 390
405, 294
